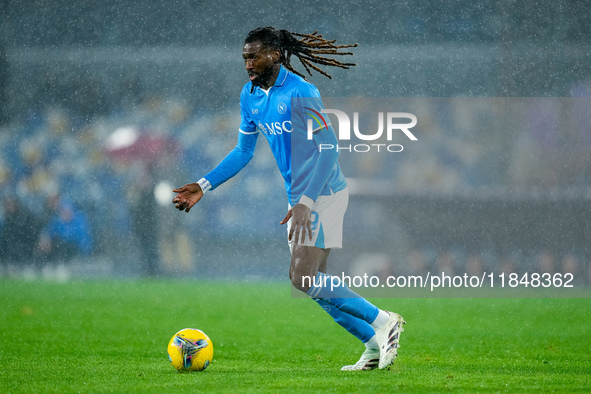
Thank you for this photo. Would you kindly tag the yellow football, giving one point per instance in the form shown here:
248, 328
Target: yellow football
190, 349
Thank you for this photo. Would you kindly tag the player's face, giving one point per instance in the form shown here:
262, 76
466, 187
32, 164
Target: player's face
261, 63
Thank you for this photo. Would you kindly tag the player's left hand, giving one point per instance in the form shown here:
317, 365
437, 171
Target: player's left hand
301, 222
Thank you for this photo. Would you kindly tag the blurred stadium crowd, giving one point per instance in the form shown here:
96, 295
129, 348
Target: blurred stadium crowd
69, 190
89, 149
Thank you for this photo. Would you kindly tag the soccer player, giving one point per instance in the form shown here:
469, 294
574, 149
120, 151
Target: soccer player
316, 187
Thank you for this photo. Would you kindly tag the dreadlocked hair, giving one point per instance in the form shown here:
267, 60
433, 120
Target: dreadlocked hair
307, 49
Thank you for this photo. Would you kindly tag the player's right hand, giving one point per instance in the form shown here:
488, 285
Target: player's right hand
187, 196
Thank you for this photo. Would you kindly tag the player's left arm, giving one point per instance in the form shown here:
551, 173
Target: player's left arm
301, 213
327, 159
322, 136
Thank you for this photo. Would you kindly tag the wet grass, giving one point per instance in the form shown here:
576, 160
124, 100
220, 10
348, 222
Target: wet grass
101, 336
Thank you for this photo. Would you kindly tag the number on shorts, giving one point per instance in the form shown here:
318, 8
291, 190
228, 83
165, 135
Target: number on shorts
315, 218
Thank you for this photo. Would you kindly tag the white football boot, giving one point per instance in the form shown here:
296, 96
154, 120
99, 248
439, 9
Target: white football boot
388, 337
369, 360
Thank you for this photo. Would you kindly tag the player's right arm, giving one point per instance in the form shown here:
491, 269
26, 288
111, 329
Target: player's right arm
190, 194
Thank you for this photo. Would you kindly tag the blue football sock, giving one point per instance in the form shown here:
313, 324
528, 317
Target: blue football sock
342, 297
359, 328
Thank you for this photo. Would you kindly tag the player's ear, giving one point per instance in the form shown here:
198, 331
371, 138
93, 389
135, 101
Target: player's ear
275, 55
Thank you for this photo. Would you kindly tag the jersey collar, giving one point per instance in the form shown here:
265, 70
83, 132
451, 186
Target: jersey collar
281, 77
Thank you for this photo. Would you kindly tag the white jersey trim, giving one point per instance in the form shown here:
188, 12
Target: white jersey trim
307, 201
205, 185
247, 132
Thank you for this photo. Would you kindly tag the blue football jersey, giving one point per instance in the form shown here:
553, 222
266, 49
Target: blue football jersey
305, 170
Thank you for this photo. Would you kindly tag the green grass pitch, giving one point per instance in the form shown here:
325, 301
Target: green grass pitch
111, 336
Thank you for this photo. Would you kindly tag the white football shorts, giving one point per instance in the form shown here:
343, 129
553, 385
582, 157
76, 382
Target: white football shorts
327, 221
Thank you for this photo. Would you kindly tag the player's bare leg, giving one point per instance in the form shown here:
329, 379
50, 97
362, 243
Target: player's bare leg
324, 262
306, 261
